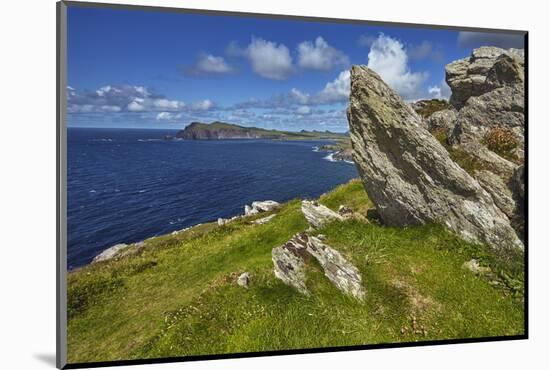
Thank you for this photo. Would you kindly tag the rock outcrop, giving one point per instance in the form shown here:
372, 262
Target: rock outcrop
468, 77
291, 258
317, 214
488, 92
259, 207
109, 253
488, 89
409, 175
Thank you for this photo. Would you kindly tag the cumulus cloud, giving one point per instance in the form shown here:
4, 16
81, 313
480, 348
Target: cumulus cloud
388, 58
208, 64
470, 40
320, 55
335, 91
269, 59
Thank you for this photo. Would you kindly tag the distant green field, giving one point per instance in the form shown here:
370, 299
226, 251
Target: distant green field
179, 296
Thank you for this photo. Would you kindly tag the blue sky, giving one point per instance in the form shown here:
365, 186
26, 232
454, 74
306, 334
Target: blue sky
131, 68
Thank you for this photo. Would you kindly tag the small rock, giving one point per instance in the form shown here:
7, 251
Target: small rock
321, 237
474, 266
263, 206
345, 211
317, 214
109, 253
243, 280
222, 221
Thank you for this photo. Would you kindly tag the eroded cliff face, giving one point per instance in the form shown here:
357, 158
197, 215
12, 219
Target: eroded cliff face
410, 175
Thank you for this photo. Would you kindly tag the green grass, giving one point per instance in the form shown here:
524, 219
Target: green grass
179, 296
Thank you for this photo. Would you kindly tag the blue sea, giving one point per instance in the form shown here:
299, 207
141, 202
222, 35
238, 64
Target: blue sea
125, 185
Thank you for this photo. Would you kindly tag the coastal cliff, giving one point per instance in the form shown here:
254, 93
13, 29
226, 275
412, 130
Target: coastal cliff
222, 131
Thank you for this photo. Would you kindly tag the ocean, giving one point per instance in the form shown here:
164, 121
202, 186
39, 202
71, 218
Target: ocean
126, 185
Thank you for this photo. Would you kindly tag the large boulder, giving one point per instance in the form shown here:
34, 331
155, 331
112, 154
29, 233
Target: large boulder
409, 175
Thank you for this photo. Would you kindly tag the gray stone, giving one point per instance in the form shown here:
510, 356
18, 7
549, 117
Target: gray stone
261, 206
501, 194
344, 275
317, 214
474, 266
409, 175
442, 120
290, 260
110, 253
243, 279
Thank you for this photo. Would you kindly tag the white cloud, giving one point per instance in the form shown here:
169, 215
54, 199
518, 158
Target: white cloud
127, 98
435, 91
167, 116
202, 105
269, 59
388, 58
168, 104
299, 96
208, 64
320, 55
441, 91
303, 110
136, 105
335, 91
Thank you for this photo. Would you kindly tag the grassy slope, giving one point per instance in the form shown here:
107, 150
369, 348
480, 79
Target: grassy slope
179, 297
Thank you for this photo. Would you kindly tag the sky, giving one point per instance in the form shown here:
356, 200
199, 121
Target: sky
131, 68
